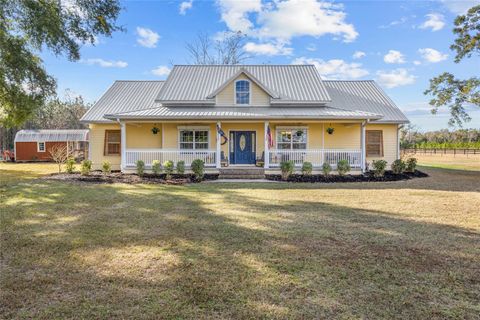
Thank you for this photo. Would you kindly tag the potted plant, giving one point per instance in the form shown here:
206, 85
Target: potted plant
330, 130
155, 130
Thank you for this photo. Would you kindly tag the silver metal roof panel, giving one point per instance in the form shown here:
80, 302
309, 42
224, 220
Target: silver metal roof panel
51, 135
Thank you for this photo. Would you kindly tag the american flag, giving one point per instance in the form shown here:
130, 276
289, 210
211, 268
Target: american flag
222, 134
269, 137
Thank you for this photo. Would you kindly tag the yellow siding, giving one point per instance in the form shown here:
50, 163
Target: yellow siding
390, 142
97, 140
258, 97
345, 136
139, 135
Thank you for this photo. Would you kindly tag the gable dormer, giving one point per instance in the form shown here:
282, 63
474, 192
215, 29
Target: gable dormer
242, 90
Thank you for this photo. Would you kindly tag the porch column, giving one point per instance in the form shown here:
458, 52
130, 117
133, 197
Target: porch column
123, 145
266, 160
362, 142
219, 151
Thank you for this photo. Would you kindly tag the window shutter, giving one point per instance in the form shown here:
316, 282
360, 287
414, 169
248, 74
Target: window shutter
374, 143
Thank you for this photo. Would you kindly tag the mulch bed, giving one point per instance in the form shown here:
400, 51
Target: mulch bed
366, 177
118, 177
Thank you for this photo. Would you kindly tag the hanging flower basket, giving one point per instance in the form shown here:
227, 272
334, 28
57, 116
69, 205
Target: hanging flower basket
330, 130
155, 130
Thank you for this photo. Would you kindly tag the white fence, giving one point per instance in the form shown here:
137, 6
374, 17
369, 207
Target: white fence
317, 157
148, 155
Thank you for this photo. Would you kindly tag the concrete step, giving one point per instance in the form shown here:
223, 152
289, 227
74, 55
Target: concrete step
242, 171
239, 176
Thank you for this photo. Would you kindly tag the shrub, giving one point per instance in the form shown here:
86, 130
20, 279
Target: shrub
181, 167
411, 164
106, 167
343, 167
85, 167
156, 167
198, 167
287, 169
398, 166
168, 166
326, 168
140, 167
307, 168
379, 167
70, 165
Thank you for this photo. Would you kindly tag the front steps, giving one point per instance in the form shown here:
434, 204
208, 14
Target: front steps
242, 173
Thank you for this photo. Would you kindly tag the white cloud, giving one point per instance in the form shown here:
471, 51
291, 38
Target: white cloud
105, 63
147, 38
283, 20
435, 21
358, 55
311, 47
235, 13
293, 18
417, 63
401, 21
334, 69
459, 7
432, 55
267, 49
185, 6
395, 78
161, 71
394, 56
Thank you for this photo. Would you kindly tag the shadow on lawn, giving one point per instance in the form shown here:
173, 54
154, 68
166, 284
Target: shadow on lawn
173, 252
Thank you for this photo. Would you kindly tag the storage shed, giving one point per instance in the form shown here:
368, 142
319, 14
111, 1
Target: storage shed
34, 145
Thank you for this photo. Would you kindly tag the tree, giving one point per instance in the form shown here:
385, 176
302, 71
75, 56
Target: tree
227, 50
27, 27
446, 89
59, 154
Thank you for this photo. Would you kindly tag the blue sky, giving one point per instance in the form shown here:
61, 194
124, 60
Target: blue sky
401, 44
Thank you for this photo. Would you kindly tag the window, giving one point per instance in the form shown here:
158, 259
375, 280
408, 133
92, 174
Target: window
112, 142
292, 138
374, 141
242, 92
193, 139
41, 146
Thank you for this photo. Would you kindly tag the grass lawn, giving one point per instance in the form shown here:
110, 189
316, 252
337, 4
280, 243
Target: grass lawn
459, 162
402, 250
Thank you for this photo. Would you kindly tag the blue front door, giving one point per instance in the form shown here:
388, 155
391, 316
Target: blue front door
243, 147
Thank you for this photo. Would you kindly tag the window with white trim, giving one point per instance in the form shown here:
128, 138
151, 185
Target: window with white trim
41, 146
242, 92
193, 139
291, 138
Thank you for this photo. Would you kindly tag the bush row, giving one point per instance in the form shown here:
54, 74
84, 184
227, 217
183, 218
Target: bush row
398, 166
197, 167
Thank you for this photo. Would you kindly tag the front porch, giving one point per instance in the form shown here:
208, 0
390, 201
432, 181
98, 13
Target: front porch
244, 143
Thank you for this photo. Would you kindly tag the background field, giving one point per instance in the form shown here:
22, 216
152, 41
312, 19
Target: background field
391, 250
459, 162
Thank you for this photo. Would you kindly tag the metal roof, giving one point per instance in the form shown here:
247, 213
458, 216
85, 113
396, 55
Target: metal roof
51, 135
173, 113
363, 95
290, 83
124, 96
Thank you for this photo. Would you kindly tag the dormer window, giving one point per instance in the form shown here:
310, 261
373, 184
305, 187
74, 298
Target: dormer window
242, 92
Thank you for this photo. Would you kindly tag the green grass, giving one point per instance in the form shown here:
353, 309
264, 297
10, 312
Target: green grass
228, 250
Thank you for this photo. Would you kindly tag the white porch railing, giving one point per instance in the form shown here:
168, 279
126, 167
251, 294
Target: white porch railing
317, 157
148, 155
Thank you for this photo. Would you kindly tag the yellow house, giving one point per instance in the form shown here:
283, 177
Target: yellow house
244, 116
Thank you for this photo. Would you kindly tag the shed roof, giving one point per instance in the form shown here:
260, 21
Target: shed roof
288, 83
124, 96
364, 95
51, 135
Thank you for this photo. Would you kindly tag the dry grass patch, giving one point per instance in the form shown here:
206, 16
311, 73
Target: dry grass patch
449, 161
408, 249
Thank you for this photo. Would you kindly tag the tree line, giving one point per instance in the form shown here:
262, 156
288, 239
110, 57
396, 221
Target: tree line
411, 138
54, 114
